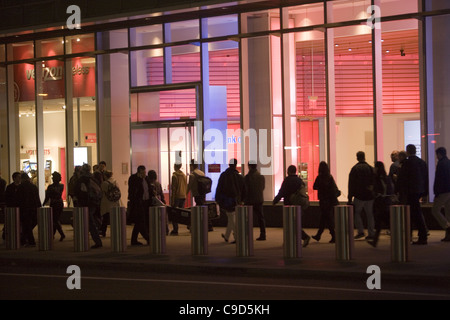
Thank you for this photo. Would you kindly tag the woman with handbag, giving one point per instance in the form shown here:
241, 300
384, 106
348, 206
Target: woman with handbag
328, 193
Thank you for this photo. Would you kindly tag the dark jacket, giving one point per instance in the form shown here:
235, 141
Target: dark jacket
136, 188
54, 194
290, 184
360, 182
442, 177
413, 177
28, 195
157, 191
254, 187
230, 189
2, 190
11, 197
83, 192
326, 190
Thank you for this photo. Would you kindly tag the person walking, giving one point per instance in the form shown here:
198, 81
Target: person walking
254, 186
289, 186
413, 185
230, 192
328, 193
360, 188
200, 199
29, 202
106, 204
441, 190
88, 194
53, 195
139, 200
178, 196
384, 190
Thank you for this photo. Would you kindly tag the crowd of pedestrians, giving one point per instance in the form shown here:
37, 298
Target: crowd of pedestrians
371, 190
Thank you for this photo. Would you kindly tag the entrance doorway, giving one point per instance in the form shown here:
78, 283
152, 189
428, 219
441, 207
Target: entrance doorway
159, 145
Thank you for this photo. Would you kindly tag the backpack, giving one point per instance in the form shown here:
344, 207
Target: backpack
95, 193
113, 193
300, 198
204, 184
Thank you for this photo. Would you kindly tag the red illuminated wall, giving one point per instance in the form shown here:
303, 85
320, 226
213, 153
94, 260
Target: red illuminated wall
52, 75
354, 94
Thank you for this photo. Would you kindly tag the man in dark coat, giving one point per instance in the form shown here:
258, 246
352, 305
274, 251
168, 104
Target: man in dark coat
230, 192
289, 186
360, 187
139, 201
254, 186
441, 189
29, 201
84, 197
413, 185
11, 198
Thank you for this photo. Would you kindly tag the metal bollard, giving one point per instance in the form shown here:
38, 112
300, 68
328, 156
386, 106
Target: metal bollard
400, 233
343, 218
12, 228
292, 231
157, 227
81, 229
244, 231
45, 228
199, 230
118, 221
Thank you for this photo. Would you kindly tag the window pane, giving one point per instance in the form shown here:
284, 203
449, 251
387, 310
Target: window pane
347, 10
183, 30
112, 39
21, 51
147, 67
305, 15
163, 105
354, 99
50, 47
394, 7
80, 43
401, 85
2, 53
221, 26
147, 35
184, 65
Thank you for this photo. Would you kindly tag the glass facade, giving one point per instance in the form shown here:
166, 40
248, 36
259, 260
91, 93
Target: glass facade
296, 85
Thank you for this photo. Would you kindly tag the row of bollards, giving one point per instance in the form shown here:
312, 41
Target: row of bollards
292, 230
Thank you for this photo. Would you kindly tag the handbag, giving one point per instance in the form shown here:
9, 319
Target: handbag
300, 198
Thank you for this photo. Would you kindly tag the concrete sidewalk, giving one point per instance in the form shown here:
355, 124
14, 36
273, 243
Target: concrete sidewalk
428, 262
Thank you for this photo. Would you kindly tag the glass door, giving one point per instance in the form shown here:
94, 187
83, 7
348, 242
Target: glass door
158, 146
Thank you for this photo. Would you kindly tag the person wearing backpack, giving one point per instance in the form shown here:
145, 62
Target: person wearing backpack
230, 193
88, 194
194, 188
107, 202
